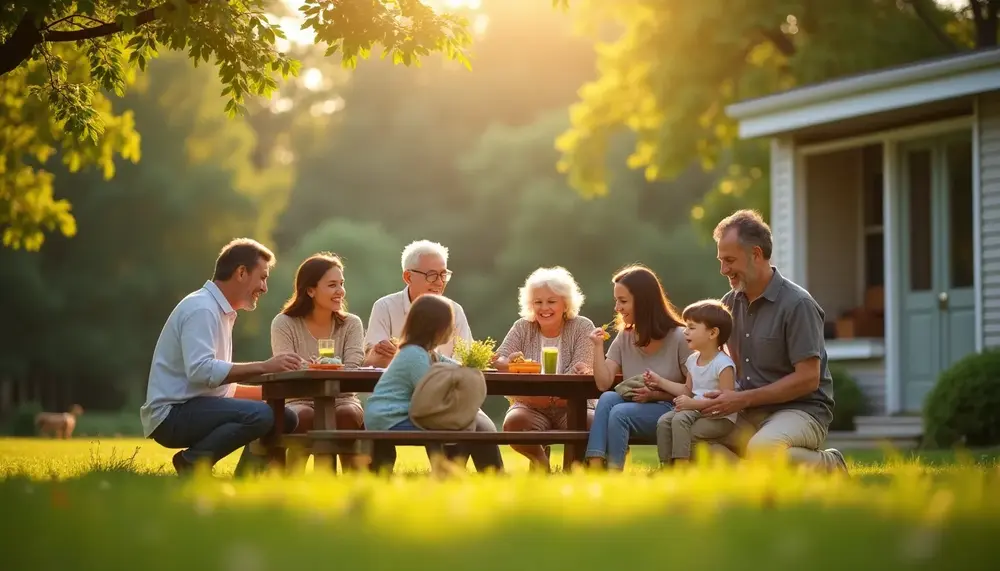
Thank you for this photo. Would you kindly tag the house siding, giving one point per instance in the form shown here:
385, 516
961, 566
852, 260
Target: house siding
869, 374
989, 188
783, 206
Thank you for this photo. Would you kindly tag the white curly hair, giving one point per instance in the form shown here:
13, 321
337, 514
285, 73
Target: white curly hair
560, 281
420, 248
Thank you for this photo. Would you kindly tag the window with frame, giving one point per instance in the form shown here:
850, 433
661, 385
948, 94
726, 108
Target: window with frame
872, 226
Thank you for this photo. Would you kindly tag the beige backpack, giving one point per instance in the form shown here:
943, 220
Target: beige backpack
448, 397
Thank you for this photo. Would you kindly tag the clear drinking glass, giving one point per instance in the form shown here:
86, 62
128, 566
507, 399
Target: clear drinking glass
550, 360
326, 348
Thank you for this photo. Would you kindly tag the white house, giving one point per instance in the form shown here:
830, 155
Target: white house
885, 204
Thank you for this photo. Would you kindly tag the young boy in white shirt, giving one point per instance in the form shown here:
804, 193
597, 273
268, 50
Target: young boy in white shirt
709, 324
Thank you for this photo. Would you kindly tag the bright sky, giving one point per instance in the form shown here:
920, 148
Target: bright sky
312, 78
292, 25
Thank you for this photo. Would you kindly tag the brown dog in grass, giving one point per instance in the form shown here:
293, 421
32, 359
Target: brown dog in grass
58, 424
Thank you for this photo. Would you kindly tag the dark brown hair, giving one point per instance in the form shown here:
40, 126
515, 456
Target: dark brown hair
429, 322
308, 275
751, 231
711, 313
654, 317
244, 252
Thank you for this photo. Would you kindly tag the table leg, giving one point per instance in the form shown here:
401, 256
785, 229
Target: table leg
576, 419
272, 440
324, 418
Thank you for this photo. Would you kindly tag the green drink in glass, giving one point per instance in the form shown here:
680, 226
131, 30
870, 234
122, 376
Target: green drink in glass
550, 360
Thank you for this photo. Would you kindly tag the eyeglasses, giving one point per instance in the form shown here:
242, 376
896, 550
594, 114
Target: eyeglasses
433, 276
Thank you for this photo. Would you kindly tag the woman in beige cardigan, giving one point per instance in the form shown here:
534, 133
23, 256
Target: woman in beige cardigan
550, 317
317, 310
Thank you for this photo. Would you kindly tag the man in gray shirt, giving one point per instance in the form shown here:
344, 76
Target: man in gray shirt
784, 390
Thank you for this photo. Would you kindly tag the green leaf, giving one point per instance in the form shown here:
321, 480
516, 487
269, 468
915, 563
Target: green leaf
126, 23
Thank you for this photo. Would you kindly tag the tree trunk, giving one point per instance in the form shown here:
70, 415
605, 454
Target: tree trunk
985, 14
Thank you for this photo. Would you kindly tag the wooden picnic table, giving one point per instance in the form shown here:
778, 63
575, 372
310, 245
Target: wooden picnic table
324, 386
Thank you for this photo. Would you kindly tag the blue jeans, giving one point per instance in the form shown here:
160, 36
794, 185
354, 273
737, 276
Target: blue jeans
615, 420
211, 428
483, 455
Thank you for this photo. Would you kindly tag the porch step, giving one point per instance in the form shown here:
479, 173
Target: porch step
899, 432
887, 426
847, 440
889, 420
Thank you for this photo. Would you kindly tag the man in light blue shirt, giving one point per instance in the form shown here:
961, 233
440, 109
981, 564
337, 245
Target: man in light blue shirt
192, 379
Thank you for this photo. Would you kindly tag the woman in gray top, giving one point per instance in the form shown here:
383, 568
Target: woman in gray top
550, 303
317, 310
650, 338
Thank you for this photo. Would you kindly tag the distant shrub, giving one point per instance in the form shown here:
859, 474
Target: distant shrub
849, 401
964, 405
22, 421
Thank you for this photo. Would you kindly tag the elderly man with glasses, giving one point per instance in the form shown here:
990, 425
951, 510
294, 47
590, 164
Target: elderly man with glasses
425, 270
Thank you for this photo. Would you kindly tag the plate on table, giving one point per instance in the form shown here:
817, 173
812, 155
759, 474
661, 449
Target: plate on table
326, 366
522, 368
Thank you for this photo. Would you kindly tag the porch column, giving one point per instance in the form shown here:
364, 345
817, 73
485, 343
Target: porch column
891, 277
788, 207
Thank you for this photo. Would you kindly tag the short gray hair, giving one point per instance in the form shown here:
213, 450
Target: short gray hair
751, 230
420, 248
559, 280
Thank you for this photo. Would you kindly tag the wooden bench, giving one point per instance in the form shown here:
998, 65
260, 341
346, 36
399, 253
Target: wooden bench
325, 445
328, 442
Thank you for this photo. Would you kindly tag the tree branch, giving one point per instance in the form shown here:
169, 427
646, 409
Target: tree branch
920, 9
988, 28
142, 18
69, 19
18, 47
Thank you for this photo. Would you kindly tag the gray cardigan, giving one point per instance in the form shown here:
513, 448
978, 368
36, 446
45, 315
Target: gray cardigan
575, 347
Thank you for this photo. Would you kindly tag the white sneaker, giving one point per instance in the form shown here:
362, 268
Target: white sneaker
840, 459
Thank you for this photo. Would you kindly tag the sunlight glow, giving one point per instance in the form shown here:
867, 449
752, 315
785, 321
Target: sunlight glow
292, 26
283, 155
455, 4
328, 107
479, 24
312, 79
282, 105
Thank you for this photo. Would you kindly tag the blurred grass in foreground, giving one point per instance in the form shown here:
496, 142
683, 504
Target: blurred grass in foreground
46, 458
752, 516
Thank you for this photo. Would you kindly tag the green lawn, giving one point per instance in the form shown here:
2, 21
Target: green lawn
89, 505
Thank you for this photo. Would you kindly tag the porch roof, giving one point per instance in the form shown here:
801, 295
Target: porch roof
879, 91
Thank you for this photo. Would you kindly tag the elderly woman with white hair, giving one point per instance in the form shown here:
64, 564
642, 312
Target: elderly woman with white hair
550, 317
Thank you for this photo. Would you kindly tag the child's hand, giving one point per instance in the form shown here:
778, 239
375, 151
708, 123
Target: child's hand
652, 380
682, 402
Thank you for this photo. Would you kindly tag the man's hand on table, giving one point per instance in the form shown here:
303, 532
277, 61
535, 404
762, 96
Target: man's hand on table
283, 362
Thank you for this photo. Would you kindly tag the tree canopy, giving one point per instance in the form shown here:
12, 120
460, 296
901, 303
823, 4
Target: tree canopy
60, 60
666, 76
674, 66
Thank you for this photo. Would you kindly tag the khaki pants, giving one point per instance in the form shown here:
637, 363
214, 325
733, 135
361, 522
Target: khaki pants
673, 432
795, 432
